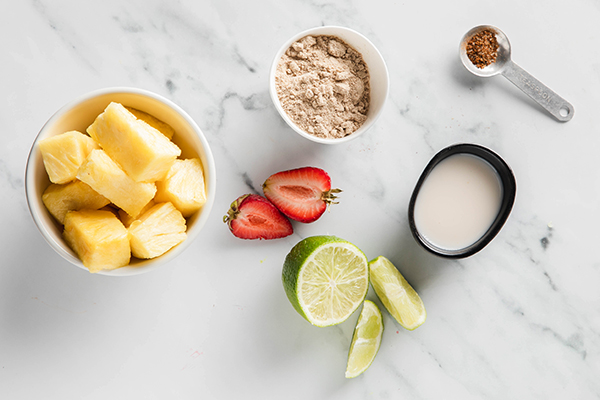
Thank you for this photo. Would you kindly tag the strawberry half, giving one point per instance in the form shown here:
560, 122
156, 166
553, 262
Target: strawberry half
303, 194
253, 217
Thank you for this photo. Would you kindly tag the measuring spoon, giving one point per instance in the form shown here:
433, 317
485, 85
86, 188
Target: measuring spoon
561, 109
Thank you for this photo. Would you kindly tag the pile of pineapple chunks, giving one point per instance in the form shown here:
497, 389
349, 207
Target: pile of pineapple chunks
121, 190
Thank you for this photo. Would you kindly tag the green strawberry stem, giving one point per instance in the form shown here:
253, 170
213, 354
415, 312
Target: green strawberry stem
234, 210
329, 197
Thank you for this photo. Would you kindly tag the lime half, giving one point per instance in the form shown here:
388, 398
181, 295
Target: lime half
365, 341
396, 294
325, 278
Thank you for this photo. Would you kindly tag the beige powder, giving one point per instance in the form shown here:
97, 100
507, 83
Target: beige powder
323, 86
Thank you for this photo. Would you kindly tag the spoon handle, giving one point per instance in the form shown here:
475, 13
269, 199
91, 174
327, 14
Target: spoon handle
542, 94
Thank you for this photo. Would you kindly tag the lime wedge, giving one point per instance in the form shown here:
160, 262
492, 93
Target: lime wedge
396, 294
325, 278
365, 341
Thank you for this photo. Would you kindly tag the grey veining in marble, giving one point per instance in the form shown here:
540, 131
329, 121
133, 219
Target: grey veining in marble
520, 320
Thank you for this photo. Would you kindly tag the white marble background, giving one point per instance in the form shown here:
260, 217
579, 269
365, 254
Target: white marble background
521, 320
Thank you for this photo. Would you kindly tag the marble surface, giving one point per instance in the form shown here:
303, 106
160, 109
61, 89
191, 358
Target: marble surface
520, 320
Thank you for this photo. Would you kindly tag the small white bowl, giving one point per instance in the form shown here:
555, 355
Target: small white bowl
379, 78
78, 115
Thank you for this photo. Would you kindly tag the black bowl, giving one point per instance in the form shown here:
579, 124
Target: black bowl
509, 193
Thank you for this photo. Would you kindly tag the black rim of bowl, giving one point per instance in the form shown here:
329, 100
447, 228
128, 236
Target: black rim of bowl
509, 192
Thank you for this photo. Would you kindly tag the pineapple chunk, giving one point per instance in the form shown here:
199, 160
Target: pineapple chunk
111, 208
64, 153
59, 199
156, 231
98, 238
127, 219
183, 186
154, 122
144, 153
105, 177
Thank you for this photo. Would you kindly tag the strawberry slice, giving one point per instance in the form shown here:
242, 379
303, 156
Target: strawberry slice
253, 217
303, 194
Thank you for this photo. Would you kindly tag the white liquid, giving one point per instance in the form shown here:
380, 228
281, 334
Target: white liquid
458, 201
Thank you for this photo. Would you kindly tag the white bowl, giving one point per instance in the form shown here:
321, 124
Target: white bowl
78, 115
379, 78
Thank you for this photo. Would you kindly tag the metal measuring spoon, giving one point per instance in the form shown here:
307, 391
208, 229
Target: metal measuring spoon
544, 96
